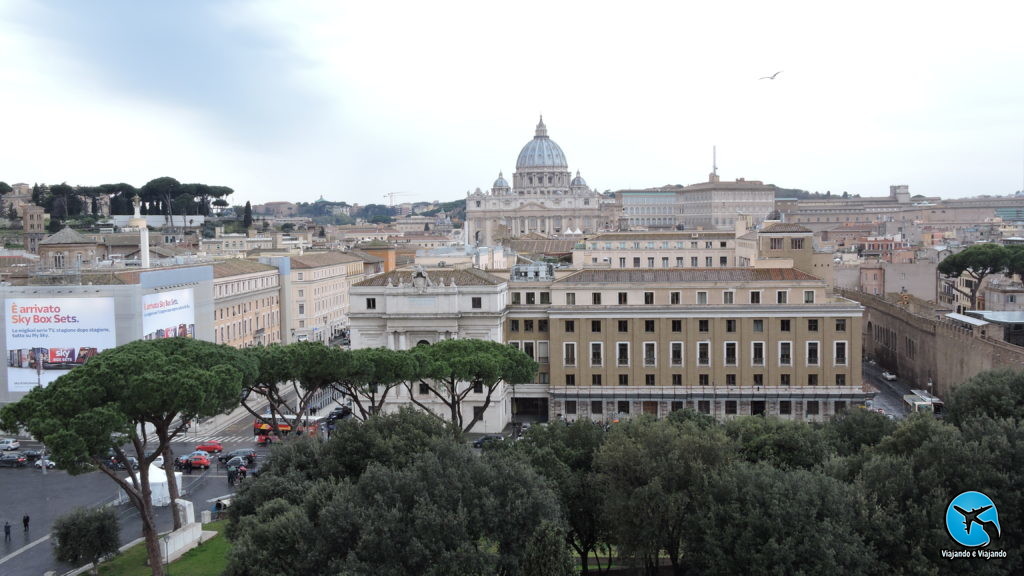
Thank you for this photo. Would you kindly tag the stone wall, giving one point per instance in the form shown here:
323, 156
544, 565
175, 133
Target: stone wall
919, 344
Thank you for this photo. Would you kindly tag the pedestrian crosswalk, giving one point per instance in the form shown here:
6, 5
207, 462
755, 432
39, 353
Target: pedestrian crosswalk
199, 439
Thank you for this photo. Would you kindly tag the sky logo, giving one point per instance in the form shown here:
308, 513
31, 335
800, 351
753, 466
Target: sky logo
972, 520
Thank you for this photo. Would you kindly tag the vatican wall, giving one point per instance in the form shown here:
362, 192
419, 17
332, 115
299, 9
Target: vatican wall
920, 344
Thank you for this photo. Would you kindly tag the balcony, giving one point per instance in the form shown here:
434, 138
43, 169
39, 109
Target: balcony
785, 359
649, 361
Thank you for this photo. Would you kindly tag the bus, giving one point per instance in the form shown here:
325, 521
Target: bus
922, 401
263, 431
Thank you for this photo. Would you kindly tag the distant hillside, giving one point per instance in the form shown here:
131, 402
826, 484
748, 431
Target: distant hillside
456, 210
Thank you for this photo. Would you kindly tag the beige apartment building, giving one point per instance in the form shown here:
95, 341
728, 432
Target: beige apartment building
247, 303
703, 249
724, 342
318, 294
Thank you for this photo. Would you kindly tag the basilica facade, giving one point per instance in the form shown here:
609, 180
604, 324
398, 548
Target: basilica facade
543, 199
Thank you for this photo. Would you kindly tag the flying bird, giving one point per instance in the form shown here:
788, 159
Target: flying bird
772, 77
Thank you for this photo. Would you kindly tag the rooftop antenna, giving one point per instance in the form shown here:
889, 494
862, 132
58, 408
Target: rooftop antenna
714, 160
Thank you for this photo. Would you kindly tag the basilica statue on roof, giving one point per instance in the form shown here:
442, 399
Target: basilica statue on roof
544, 200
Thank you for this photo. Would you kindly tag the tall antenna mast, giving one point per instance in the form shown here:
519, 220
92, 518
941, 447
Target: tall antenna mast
714, 160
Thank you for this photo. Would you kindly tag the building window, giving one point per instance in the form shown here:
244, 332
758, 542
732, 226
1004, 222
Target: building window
596, 354
704, 353
649, 379
775, 244
650, 358
730, 379
840, 355
596, 407
623, 406
812, 379
527, 325
757, 353
623, 379
623, 325
840, 324
758, 379
784, 325
517, 298
478, 302
702, 297
785, 353
542, 325
648, 298
723, 261
758, 325
783, 379
812, 408
730, 325
570, 298
808, 296
785, 407
570, 379
755, 297
424, 389
730, 406
796, 243
531, 298
569, 353
636, 262
704, 406
595, 298
623, 297
693, 261
622, 262
595, 325
840, 379
674, 297
648, 325
812, 325
478, 387
728, 297
595, 379
514, 325
812, 353
703, 379
677, 325
678, 405
570, 325
650, 262
781, 297
730, 353
622, 353
371, 303
703, 326
570, 406
676, 353
545, 297
677, 379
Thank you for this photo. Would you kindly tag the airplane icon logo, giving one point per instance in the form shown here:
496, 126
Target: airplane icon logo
968, 509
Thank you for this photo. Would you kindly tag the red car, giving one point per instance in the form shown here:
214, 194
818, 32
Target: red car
199, 461
211, 446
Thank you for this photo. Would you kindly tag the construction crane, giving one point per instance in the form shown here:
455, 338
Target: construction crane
391, 197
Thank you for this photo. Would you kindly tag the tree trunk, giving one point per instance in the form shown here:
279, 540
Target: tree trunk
172, 485
156, 563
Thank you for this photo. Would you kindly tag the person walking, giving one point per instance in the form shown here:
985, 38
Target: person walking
24, 521
7, 531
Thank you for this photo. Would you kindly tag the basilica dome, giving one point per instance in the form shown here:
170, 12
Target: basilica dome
541, 152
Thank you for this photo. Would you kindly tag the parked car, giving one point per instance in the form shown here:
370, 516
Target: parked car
32, 455
50, 464
158, 461
13, 460
246, 453
481, 441
886, 375
236, 462
9, 444
210, 446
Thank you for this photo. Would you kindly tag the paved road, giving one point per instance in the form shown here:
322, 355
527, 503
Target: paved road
46, 497
890, 394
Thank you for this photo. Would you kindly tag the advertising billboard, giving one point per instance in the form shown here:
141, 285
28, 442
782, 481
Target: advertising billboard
47, 337
168, 315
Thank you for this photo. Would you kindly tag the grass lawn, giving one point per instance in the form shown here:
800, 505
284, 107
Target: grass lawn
208, 559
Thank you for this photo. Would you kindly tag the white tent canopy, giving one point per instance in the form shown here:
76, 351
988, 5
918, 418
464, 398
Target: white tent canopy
161, 494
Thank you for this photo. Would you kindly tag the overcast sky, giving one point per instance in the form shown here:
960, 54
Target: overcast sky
290, 100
